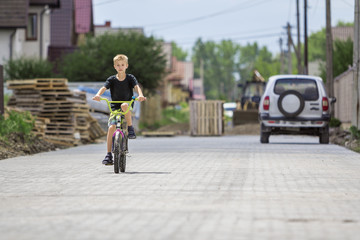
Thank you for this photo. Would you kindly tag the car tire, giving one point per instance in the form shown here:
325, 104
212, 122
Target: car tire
281, 102
264, 136
324, 135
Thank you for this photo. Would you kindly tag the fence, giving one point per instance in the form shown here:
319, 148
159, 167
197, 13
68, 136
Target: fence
343, 86
206, 118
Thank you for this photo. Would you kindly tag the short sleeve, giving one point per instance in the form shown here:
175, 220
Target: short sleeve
133, 81
107, 83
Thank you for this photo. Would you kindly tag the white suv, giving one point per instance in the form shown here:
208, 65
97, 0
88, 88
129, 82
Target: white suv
295, 104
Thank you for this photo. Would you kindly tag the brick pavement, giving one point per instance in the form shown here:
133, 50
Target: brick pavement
185, 188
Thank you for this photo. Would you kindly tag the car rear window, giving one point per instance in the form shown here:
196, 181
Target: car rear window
306, 87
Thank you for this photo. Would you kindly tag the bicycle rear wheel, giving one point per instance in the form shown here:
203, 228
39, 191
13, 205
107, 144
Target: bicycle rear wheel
122, 160
117, 151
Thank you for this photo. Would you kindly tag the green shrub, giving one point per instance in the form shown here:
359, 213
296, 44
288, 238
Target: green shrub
18, 122
355, 133
334, 122
6, 99
171, 115
28, 68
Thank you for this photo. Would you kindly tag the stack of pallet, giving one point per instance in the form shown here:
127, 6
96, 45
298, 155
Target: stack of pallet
206, 118
65, 114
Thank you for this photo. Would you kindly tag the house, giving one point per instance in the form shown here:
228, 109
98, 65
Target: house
69, 25
343, 90
43, 29
106, 28
25, 28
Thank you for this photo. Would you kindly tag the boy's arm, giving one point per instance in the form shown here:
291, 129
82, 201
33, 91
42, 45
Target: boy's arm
99, 93
141, 96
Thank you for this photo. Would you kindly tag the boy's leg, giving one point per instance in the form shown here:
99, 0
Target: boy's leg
108, 158
131, 131
110, 134
128, 119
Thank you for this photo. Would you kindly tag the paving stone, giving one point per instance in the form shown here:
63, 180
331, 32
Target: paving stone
229, 187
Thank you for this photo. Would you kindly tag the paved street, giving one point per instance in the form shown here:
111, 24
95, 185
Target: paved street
229, 187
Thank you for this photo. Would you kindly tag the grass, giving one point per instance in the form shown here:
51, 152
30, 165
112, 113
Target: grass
16, 122
171, 115
6, 99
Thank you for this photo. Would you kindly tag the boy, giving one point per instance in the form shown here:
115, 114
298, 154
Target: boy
121, 89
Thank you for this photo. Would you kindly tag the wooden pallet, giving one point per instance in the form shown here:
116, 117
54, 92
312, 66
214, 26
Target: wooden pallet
40, 83
159, 134
69, 121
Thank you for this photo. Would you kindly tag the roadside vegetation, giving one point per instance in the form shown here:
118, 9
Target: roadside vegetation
16, 122
16, 138
178, 114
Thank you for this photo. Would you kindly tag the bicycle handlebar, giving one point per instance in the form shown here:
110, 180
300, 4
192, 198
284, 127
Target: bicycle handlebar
119, 111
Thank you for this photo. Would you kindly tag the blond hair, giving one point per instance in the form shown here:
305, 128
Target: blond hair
120, 57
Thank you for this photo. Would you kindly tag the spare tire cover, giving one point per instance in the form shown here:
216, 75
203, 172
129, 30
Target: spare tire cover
291, 103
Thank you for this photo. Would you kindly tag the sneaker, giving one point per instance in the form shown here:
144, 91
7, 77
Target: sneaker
131, 132
108, 159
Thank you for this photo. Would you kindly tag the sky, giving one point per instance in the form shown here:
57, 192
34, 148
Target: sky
242, 21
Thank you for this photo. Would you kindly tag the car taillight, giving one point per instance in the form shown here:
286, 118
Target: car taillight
266, 103
325, 104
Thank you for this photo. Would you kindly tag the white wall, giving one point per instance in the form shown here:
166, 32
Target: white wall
22, 47
5, 45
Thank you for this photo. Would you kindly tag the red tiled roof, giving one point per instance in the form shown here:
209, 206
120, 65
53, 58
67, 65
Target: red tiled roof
83, 16
13, 13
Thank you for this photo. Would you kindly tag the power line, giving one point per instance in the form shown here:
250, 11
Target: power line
351, 5
231, 35
106, 2
239, 38
191, 20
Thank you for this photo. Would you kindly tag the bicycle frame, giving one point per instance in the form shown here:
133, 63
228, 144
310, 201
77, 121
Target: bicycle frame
119, 146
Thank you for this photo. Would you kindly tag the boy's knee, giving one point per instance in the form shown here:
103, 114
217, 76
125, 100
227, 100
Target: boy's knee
112, 127
124, 106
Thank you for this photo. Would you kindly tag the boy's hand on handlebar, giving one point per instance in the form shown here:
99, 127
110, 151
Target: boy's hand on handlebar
141, 98
96, 98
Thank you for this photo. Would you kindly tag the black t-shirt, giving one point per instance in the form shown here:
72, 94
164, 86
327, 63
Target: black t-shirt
120, 90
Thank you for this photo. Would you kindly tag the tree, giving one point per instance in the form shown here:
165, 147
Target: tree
94, 60
178, 52
218, 60
342, 58
251, 58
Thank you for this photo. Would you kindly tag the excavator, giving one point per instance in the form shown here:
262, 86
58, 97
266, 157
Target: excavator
247, 106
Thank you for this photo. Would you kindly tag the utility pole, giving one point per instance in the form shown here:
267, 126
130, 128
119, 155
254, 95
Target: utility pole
298, 38
1, 90
288, 27
329, 55
281, 56
355, 121
306, 70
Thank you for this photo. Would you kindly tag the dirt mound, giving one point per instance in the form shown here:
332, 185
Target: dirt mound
17, 145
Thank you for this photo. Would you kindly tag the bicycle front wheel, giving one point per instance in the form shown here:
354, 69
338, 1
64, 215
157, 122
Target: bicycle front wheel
122, 160
117, 151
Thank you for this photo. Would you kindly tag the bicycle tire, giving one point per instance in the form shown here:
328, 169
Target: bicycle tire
122, 160
117, 151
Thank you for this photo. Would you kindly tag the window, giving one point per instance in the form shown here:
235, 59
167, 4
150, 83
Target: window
31, 30
306, 87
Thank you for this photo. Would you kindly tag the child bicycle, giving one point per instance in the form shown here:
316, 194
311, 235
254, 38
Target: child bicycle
119, 139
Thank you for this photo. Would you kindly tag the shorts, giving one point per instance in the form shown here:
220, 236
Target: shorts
112, 120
